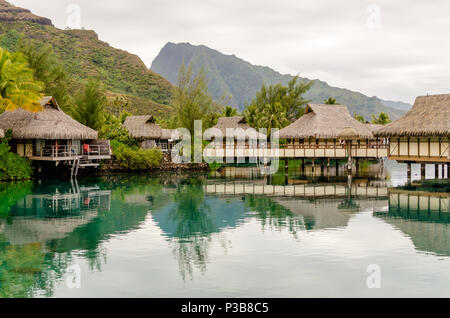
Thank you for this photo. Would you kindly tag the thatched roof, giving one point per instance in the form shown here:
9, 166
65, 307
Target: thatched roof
239, 126
430, 116
325, 121
170, 134
49, 123
374, 127
143, 127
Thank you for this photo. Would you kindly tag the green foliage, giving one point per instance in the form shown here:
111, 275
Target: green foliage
229, 111
49, 70
113, 129
133, 158
192, 100
12, 166
360, 118
18, 88
330, 101
276, 106
382, 119
89, 105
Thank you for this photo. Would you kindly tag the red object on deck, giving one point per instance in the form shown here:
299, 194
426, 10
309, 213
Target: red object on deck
86, 148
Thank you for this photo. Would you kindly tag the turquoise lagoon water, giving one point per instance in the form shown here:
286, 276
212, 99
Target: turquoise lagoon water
234, 233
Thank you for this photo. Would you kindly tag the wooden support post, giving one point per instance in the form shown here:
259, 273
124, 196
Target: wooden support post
436, 171
303, 165
448, 171
422, 171
408, 172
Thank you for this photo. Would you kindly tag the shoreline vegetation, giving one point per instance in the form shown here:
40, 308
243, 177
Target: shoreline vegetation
31, 72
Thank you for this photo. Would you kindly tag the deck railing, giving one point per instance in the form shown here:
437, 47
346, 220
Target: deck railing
306, 146
64, 151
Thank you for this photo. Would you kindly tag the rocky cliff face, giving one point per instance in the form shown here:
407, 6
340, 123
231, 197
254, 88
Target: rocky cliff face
10, 13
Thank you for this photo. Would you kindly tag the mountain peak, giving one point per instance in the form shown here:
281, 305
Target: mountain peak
237, 81
11, 13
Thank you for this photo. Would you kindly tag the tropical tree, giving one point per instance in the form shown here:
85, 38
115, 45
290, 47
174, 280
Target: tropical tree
89, 105
275, 106
49, 70
382, 119
360, 118
330, 101
252, 115
229, 111
273, 116
192, 100
18, 88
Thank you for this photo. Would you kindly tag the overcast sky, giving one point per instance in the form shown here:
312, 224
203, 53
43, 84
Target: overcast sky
392, 49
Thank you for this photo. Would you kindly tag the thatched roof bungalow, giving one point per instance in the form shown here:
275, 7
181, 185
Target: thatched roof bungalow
238, 126
329, 131
50, 134
324, 122
149, 133
51, 123
422, 135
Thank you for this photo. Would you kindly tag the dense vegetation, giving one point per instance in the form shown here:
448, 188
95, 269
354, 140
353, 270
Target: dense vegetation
135, 158
12, 166
233, 78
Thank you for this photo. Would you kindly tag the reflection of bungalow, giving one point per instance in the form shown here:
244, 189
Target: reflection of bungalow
424, 216
52, 135
321, 132
422, 134
149, 133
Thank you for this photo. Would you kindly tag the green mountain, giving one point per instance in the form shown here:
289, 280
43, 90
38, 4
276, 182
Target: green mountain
232, 77
84, 55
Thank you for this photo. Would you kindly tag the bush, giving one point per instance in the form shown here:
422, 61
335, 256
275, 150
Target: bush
133, 158
13, 167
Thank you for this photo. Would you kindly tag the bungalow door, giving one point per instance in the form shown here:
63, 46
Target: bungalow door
76, 146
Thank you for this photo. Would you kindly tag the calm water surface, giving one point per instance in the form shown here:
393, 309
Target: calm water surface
229, 234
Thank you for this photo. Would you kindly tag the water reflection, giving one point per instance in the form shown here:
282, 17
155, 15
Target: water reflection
47, 227
423, 216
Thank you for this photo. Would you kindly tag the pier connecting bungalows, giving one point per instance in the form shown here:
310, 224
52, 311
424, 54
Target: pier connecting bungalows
53, 136
422, 135
329, 131
149, 133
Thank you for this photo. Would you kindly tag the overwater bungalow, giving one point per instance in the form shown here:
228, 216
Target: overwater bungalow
53, 136
244, 139
149, 133
329, 131
422, 135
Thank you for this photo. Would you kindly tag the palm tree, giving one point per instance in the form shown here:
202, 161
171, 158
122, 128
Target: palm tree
252, 116
382, 119
273, 116
89, 105
229, 111
330, 101
18, 88
360, 118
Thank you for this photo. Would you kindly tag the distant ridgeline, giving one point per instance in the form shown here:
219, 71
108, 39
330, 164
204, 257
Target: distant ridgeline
231, 76
84, 55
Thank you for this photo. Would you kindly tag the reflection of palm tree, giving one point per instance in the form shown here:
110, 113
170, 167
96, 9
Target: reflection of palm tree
193, 227
275, 215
